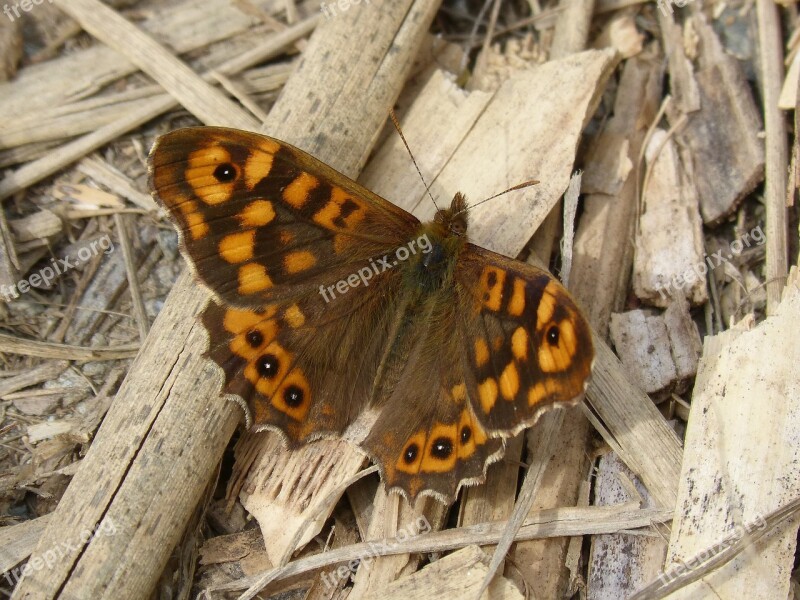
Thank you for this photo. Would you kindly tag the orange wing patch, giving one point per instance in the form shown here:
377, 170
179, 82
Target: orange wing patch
257, 214
253, 278
298, 192
238, 247
211, 174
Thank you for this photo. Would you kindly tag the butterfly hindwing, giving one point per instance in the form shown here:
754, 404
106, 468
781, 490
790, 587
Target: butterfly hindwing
427, 438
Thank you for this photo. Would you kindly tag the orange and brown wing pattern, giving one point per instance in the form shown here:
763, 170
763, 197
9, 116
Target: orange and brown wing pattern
264, 225
427, 439
527, 344
304, 368
262, 221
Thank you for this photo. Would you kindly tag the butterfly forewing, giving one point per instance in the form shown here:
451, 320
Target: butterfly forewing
262, 221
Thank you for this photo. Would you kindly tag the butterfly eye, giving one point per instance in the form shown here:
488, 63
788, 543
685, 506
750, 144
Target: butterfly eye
410, 454
466, 434
442, 448
225, 173
268, 366
293, 396
552, 335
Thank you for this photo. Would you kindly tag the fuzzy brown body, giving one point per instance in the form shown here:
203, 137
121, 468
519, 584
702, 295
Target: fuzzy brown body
449, 351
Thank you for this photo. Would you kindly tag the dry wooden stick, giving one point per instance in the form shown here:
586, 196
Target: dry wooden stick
142, 322
548, 523
777, 160
145, 111
201, 99
15, 345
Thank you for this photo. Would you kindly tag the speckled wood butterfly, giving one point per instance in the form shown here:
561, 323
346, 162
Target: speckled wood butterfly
337, 314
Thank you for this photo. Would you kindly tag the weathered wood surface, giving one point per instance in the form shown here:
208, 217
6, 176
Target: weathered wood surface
740, 457
174, 446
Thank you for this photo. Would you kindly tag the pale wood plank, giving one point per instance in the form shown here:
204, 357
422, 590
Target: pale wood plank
740, 458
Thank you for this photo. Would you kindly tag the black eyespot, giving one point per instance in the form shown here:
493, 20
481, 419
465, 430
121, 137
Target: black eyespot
410, 454
491, 279
466, 434
552, 335
293, 396
225, 173
255, 338
442, 448
268, 366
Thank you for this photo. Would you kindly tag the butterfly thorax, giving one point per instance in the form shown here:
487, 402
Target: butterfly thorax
443, 239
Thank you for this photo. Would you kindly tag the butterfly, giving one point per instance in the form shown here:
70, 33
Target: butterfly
335, 313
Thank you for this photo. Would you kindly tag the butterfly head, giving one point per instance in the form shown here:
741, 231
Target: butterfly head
453, 220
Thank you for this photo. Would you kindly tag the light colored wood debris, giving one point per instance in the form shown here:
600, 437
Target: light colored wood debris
740, 456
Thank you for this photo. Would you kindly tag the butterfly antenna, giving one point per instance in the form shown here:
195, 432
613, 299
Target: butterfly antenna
405, 143
519, 186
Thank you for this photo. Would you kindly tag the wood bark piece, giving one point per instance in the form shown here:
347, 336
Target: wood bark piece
603, 253
459, 574
147, 473
620, 562
567, 90
722, 138
683, 86
659, 353
18, 541
669, 261
740, 455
